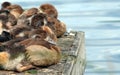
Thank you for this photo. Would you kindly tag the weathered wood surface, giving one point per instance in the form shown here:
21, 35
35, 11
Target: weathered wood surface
76, 61
72, 62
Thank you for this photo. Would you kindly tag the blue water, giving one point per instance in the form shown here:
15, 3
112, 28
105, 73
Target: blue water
100, 20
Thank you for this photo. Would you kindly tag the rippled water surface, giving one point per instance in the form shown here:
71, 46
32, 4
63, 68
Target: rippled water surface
100, 20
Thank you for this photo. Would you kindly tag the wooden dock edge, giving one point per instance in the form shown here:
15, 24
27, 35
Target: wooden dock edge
75, 64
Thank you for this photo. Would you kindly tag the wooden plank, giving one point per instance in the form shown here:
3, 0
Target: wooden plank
79, 64
76, 65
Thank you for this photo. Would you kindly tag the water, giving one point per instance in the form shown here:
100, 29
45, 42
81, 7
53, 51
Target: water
100, 20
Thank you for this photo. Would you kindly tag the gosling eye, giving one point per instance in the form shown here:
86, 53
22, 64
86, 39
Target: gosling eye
27, 22
2, 48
